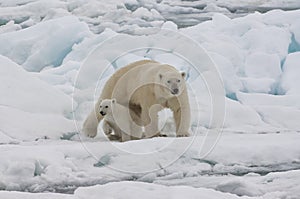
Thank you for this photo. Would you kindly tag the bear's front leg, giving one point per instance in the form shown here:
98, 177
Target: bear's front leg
181, 113
90, 125
118, 134
107, 129
182, 121
151, 120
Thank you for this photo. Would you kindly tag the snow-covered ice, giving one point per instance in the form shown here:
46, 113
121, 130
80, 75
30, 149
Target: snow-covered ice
49, 80
71, 164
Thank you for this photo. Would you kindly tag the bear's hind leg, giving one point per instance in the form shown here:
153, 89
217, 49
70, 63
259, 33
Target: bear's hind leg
125, 137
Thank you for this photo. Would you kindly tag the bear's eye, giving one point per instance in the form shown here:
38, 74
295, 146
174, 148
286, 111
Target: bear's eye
106, 106
178, 80
168, 81
100, 106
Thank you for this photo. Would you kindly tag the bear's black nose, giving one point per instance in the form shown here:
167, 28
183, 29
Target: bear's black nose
175, 91
102, 113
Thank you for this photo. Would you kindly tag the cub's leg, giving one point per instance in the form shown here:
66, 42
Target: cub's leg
107, 129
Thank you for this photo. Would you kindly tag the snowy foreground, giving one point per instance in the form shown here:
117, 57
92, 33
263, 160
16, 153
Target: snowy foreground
242, 164
50, 78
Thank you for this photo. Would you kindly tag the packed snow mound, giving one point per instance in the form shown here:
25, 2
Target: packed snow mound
24, 195
45, 44
240, 188
291, 70
136, 189
262, 71
253, 55
22, 90
124, 190
30, 105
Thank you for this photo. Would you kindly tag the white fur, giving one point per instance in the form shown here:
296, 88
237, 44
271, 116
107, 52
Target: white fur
117, 118
143, 87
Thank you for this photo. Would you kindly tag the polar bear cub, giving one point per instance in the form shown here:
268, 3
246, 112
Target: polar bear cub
118, 119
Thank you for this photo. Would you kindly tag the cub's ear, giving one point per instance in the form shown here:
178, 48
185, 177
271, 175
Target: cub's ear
113, 100
160, 76
100, 100
183, 74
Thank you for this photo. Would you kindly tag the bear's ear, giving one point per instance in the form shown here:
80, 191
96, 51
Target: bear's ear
113, 100
160, 76
183, 74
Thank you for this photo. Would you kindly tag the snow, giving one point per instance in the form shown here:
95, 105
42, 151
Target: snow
16, 195
237, 114
56, 56
23, 106
23, 91
260, 65
240, 188
290, 74
131, 190
69, 165
45, 44
143, 13
9, 27
272, 40
149, 191
262, 71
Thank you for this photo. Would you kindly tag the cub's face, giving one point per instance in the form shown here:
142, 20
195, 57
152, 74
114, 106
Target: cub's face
173, 82
106, 106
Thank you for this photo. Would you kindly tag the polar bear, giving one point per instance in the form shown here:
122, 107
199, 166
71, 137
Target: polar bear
146, 87
116, 119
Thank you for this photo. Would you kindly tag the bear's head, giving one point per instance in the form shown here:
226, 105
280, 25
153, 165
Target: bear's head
173, 82
106, 106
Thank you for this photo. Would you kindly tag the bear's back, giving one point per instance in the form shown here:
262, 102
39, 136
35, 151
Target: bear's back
111, 82
145, 71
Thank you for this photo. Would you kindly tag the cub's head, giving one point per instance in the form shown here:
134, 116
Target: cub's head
173, 82
106, 106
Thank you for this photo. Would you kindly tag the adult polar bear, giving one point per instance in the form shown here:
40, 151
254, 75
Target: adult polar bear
146, 87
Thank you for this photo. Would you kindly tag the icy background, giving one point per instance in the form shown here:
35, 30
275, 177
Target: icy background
43, 45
